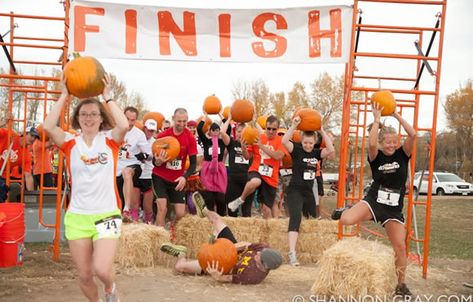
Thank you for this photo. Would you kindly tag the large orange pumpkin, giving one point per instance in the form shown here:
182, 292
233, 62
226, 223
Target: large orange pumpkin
42, 133
262, 121
311, 120
296, 136
249, 135
242, 111
385, 99
220, 250
212, 105
168, 143
226, 111
207, 124
139, 125
84, 77
158, 117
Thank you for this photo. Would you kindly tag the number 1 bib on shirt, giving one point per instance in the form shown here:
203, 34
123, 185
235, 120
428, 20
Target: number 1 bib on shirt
388, 197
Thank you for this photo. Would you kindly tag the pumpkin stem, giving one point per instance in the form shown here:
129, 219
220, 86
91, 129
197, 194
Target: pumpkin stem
76, 55
212, 239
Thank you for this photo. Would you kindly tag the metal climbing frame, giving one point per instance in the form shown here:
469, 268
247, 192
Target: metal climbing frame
26, 88
386, 68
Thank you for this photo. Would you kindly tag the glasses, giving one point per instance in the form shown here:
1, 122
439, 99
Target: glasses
93, 115
166, 128
271, 129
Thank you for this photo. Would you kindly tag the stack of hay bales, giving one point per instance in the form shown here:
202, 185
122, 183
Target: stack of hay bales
356, 267
139, 246
315, 236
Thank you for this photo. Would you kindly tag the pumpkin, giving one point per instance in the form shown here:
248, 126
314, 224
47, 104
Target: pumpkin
296, 136
158, 117
242, 111
42, 133
226, 111
311, 120
249, 135
139, 125
188, 163
220, 250
262, 121
207, 124
84, 77
385, 99
170, 144
212, 105
287, 160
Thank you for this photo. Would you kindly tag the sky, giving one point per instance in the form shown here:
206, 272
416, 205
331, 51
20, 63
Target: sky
167, 85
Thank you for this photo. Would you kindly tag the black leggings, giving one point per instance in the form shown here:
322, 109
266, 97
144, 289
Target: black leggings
215, 200
235, 187
299, 201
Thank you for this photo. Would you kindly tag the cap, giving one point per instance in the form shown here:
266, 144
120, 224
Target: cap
282, 131
214, 126
32, 131
151, 125
191, 124
271, 258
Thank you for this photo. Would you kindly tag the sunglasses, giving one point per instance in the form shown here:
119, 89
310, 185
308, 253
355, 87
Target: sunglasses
271, 129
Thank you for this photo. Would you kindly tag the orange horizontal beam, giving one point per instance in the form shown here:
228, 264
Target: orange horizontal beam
31, 45
424, 129
384, 78
395, 90
38, 39
394, 56
36, 90
37, 63
373, 26
20, 86
390, 31
27, 77
32, 17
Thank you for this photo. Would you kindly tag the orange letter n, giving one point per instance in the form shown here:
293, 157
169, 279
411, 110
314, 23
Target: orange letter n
80, 28
334, 33
185, 38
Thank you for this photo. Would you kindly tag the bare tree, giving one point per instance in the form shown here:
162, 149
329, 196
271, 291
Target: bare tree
278, 102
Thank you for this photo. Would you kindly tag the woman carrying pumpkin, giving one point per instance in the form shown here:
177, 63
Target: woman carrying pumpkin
384, 201
213, 174
299, 192
93, 218
255, 260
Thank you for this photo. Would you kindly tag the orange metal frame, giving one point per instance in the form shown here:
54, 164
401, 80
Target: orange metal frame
38, 85
354, 133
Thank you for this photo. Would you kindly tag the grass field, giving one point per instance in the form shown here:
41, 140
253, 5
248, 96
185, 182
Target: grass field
451, 226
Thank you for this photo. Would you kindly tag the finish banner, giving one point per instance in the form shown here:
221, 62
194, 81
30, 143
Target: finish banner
288, 35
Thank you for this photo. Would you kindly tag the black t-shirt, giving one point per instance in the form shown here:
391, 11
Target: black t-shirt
304, 166
207, 144
389, 172
237, 164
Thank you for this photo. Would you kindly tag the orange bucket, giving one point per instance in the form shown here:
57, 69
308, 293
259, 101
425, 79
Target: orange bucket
12, 234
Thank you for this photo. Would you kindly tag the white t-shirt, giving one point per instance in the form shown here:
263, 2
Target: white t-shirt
133, 143
147, 166
92, 172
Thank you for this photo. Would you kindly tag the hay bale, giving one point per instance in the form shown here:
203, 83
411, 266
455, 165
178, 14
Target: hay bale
315, 236
139, 246
356, 267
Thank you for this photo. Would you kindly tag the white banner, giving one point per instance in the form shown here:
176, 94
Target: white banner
292, 35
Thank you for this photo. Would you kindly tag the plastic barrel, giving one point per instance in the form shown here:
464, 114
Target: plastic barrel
12, 234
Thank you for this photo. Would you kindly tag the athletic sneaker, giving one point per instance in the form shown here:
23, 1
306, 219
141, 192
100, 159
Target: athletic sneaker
148, 218
173, 249
293, 259
135, 214
126, 216
337, 213
113, 296
233, 206
402, 290
199, 203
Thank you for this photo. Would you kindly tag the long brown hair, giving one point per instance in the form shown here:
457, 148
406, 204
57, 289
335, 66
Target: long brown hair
107, 120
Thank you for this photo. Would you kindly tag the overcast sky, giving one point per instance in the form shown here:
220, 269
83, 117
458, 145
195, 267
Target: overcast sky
167, 85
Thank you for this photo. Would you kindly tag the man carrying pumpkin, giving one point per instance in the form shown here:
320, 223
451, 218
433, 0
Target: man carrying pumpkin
253, 264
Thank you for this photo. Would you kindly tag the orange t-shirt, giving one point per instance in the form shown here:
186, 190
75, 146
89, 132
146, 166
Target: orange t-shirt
264, 164
16, 154
46, 159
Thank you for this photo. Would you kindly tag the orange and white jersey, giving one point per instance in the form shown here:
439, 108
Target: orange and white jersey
92, 172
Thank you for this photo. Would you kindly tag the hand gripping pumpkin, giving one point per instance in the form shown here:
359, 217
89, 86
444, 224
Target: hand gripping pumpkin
311, 120
242, 111
170, 144
158, 117
84, 77
221, 250
212, 105
249, 135
385, 99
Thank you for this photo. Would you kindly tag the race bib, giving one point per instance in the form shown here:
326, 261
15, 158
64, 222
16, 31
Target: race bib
241, 160
122, 154
174, 164
388, 197
309, 175
210, 151
265, 170
285, 172
109, 227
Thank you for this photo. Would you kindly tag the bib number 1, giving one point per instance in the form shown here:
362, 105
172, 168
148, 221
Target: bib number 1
388, 197
109, 227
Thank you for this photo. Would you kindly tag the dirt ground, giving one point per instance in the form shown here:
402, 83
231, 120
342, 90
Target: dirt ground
41, 279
